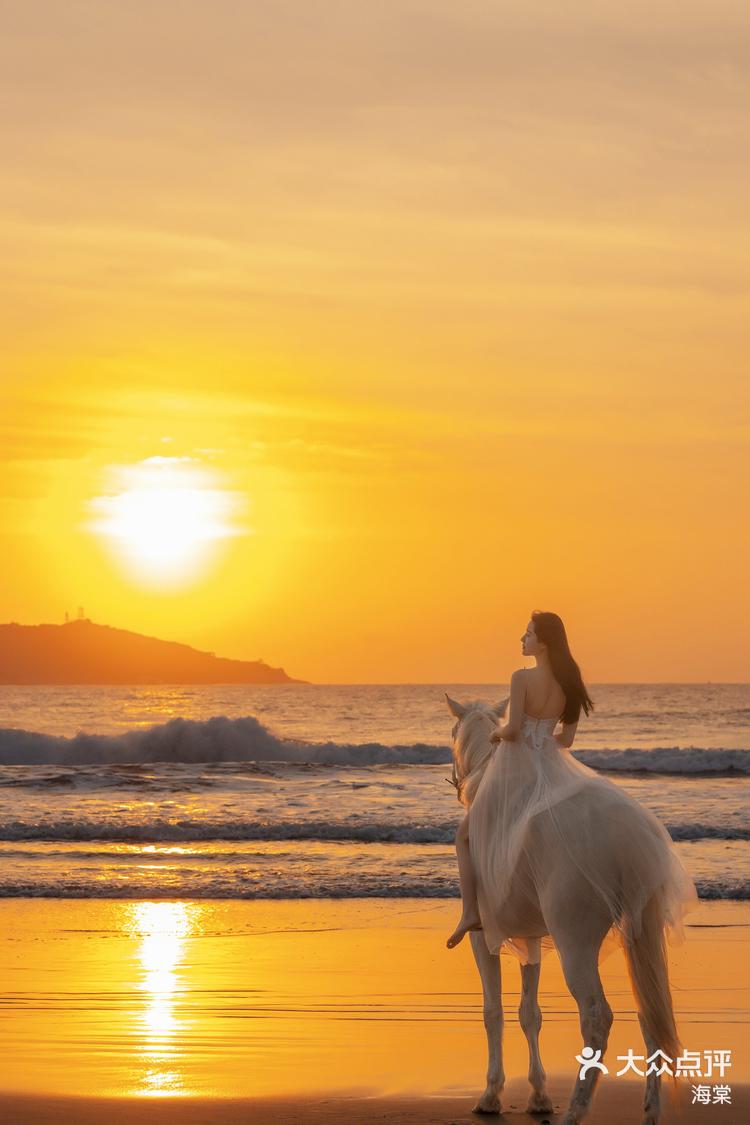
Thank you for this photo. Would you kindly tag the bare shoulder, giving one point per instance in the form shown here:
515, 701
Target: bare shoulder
518, 679
518, 685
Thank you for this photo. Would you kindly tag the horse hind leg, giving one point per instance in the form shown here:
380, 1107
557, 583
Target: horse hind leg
581, 970
652, 1100
530, 1017
489, 970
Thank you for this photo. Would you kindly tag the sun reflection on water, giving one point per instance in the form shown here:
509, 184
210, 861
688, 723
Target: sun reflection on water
161, 929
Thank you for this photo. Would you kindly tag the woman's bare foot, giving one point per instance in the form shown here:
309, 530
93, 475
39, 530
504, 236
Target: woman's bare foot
470, 921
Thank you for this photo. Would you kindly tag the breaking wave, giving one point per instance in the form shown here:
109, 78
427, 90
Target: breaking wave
220, 739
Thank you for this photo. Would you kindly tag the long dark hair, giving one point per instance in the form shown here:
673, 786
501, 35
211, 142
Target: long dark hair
551, 632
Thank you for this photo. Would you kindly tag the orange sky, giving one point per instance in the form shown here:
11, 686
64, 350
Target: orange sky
438, 313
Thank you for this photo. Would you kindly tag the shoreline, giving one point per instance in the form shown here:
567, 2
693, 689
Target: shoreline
612, 1105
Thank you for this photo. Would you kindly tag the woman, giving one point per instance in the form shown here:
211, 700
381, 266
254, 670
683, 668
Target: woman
529, 770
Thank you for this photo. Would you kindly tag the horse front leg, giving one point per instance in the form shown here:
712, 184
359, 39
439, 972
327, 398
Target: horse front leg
489, 970
530, 1018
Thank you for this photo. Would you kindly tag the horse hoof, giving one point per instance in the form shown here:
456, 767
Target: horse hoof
487, 1105
540, 1103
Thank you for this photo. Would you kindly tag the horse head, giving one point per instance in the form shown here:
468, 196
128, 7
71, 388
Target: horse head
472, 748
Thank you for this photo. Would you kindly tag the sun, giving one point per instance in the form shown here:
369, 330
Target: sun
165, 518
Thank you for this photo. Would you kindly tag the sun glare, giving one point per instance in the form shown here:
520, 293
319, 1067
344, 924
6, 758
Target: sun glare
165, 518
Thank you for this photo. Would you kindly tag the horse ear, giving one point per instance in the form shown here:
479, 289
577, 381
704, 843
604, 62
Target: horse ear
456, 708
500, 709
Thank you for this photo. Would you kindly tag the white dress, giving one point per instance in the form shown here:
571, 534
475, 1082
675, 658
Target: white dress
535, 801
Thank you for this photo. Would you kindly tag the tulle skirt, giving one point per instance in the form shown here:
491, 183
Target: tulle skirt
539, 815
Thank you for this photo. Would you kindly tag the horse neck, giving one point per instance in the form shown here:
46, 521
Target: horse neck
472, 752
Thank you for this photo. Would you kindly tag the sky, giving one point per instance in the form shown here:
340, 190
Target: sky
343, 335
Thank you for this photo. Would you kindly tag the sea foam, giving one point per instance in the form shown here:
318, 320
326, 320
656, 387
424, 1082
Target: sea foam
221, 739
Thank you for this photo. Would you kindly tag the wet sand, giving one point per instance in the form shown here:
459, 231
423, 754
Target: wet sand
335, 1010
613, 1105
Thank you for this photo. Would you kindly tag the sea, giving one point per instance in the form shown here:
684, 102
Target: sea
323, 791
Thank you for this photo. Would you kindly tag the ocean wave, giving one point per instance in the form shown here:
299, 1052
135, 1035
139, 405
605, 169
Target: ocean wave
708, 832
692, 760
201, 885
218, 739
159, 830
174, 831
244, 740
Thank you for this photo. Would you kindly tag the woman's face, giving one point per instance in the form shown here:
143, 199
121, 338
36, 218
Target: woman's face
529, 643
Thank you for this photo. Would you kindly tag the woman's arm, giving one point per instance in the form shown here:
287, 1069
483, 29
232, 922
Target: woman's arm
567, 734
512, 728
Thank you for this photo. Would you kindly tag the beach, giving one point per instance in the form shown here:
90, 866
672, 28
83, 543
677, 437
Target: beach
613, 1105
231, 903
316, 1010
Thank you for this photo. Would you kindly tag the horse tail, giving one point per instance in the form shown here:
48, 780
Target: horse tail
646, 957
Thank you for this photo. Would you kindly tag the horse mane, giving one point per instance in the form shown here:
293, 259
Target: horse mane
472, 748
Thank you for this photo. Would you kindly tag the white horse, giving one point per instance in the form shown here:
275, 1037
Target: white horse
568, 908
